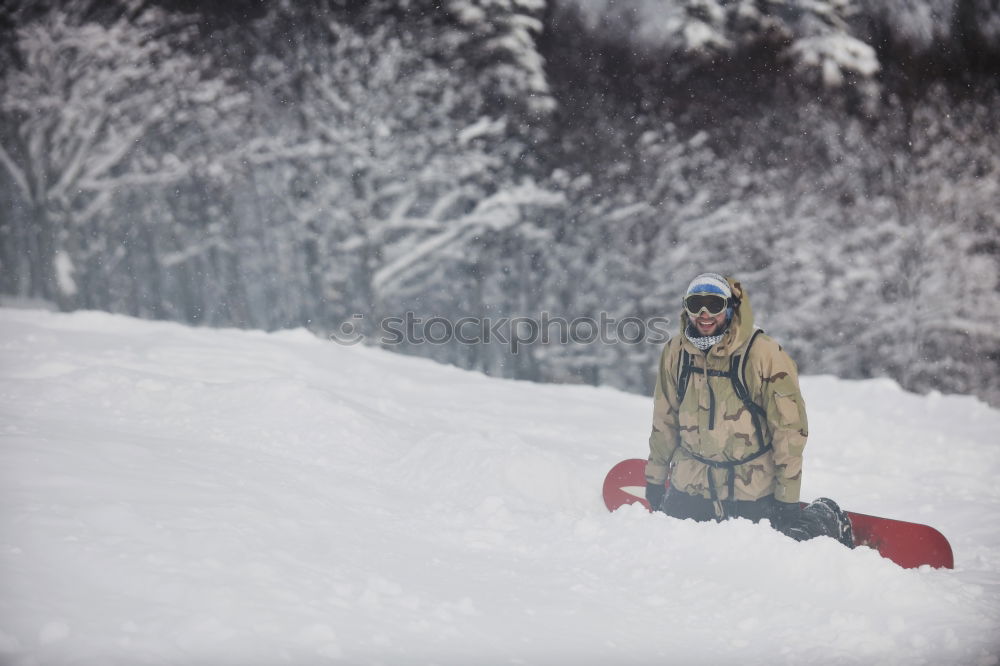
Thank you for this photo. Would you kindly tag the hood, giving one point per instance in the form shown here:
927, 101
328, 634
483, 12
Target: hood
740, 327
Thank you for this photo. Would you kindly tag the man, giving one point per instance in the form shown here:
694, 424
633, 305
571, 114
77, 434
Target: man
729, 421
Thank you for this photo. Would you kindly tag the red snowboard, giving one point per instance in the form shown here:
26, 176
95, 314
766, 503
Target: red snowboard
909, 545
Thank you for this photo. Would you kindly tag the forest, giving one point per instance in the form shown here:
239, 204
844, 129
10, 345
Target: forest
334, 164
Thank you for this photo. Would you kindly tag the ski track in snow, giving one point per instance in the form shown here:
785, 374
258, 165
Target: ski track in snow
193, 496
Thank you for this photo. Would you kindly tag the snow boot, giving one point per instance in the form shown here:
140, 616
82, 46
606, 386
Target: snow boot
824, 518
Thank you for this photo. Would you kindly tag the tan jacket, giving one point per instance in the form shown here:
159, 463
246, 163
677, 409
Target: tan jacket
680, 429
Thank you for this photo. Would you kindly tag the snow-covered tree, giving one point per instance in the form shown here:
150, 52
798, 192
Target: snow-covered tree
915, 25
390, 166
946, 187
497, 39
88, 110
816, 38
978, 24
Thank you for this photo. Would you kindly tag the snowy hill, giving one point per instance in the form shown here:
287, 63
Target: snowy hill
187, 496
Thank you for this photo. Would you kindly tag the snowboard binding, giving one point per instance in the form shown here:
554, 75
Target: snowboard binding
823, 517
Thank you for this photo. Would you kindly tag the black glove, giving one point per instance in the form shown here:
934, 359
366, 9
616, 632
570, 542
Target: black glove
654, 495
785, 516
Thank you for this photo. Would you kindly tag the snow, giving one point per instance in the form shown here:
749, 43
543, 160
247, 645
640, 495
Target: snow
194, 496
836, 54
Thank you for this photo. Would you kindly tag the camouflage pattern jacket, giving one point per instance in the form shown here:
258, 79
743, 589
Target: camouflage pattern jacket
680, 430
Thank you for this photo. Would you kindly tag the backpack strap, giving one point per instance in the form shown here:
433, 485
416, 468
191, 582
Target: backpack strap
730, 467
738, 375
683, 374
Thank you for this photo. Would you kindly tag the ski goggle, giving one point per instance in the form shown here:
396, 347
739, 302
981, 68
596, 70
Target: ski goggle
713, 303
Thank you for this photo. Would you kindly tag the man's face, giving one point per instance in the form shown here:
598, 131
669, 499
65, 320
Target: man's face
700, 308
707, 324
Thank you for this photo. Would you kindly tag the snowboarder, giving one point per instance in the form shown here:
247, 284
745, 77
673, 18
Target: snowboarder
729, 422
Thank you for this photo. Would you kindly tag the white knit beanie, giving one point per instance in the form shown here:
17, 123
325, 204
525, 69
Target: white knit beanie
709, 283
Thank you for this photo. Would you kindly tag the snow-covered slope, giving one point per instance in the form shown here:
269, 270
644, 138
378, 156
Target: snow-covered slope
187, 496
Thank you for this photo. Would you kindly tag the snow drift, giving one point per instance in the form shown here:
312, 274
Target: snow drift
189, 496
